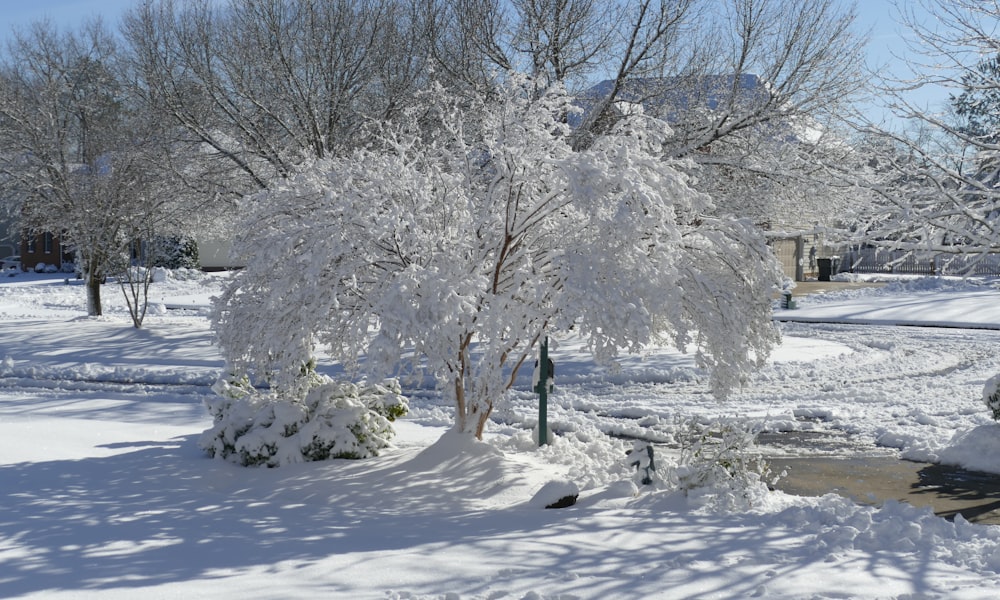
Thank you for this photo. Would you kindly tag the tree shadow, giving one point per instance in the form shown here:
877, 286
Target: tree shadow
94, 350
977, 492
160, 512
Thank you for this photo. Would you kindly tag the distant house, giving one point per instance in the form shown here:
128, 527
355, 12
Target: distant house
698, 103
214, 255
671, 97
685, 92
44, 248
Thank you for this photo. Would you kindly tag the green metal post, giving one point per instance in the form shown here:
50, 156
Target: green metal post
543, 392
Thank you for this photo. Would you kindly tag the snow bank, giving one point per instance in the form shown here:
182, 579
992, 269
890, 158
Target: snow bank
977, 449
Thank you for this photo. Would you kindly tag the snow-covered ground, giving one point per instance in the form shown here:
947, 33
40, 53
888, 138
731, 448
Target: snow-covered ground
105, 494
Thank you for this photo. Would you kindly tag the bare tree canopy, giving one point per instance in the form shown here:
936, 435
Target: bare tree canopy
81, 159
939, 182
256, 85
754, 89
62, 126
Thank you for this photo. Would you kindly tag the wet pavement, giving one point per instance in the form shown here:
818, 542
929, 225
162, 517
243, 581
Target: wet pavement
874, 480
818, 463
875, 475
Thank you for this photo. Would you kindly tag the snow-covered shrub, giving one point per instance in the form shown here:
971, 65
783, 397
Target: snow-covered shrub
68, 267
721, 459
333, 419
175, 252
40, 267
991, 396
51, 269
642, 457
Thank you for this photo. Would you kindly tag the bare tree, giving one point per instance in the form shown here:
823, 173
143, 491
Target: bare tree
565, 40
61, 121
805, 55
654, 40
762, 113
256, 87
942, 196
82, 160
749, 86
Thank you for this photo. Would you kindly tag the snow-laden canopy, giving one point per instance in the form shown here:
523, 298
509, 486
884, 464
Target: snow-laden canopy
461, 235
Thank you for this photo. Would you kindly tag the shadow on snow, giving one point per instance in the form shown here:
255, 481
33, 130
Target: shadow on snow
160, 512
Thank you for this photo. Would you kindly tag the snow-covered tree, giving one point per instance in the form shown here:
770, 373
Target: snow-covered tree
67, 167
470, 228
81, 158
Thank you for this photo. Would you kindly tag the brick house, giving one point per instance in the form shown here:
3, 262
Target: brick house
43, 248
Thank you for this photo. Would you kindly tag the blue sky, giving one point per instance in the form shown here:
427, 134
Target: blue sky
23, 12
888, 41
879, 15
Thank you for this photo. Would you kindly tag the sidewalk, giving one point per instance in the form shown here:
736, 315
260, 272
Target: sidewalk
805, 288
972, 308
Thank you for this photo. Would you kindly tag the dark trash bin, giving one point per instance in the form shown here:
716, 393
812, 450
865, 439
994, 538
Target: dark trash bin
826, 267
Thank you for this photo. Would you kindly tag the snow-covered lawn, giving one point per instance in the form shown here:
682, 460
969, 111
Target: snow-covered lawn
105, 494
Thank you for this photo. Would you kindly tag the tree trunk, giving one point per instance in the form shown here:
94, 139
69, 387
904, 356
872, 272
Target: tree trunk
481, 419
470, 416
460, 417
93, 283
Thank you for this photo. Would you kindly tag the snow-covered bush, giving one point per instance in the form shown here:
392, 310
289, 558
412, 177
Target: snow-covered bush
40, 267
175, 252
720, 460
991, 396
642, 457
333, 419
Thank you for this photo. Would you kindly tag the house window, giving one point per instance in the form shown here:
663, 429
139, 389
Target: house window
47, 242
31, 245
